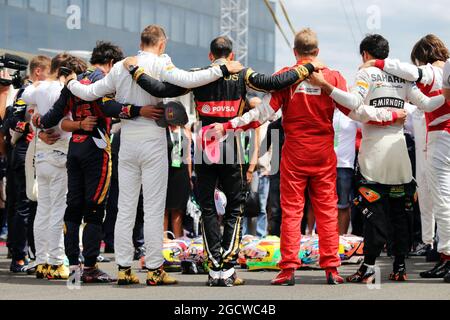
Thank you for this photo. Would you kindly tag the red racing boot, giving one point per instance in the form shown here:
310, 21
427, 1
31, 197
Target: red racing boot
333, 276
399, 274
285, 278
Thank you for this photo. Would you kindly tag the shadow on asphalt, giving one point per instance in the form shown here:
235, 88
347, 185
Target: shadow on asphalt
306, 277
26, 280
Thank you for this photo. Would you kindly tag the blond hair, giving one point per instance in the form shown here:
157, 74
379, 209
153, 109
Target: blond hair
42, 62
152, 34
306, 42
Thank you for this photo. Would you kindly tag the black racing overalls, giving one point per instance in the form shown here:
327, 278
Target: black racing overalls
388, 216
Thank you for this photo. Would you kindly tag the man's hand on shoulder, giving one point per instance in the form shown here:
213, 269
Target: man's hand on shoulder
234, 66
317, 79
72, 76
318, 65
130, 61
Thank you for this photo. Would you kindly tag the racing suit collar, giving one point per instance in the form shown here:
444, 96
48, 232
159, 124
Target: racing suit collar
304, 61
144, 53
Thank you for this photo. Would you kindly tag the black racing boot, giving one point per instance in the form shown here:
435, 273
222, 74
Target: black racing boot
95, 275
439, 271
229, 278
399, 273
214, 278
447, 278
421, 250
365, 274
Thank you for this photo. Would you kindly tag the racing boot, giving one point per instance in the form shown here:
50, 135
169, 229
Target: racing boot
127, 277
159, 277
365, 274
285, 278
60, 272
447, 278
333, 276
19, 266
421, 250
95, 275
41, 271
440, 270
31, 269
399, 273
214, 278
229, 278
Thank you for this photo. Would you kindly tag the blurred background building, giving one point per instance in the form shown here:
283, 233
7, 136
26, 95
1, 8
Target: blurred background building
40, 26
31, 27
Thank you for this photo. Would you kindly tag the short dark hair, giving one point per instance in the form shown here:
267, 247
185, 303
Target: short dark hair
221, 47
104, 52
75, 64
58, 61
429, 49
152, 34
376, 45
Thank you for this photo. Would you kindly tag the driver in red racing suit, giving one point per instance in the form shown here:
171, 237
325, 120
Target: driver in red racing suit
308, 159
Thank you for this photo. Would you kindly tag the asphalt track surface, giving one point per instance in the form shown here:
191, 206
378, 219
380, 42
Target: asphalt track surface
309, 286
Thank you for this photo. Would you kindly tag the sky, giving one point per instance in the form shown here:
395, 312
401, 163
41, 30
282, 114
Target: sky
342, 24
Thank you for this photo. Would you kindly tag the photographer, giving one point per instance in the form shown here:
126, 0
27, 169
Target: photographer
18, 135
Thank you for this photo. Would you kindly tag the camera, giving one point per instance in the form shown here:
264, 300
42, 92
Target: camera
19, 64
